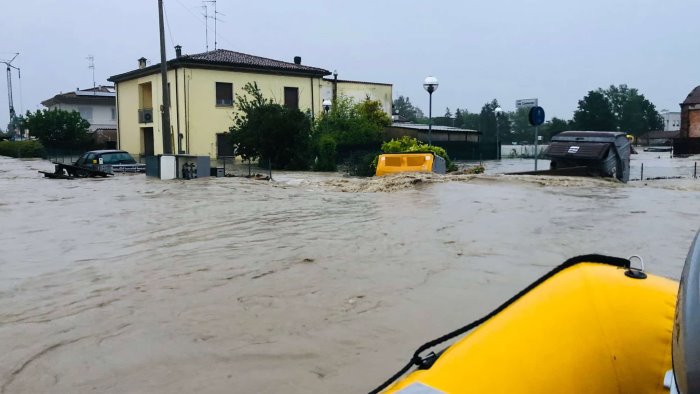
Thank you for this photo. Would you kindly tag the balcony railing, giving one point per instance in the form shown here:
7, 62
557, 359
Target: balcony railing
146, 115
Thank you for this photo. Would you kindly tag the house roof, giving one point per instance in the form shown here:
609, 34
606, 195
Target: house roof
227, 60
424, 127
101, 95
362, 82
654, 135
693, 97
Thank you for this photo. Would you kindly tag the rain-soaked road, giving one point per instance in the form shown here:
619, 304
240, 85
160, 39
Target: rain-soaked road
311, 283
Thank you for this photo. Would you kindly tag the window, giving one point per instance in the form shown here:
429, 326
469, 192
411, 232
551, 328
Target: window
224, 94
291, 97
85, 113
114, 113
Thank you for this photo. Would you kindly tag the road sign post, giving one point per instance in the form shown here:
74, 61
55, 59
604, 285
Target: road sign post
536, 118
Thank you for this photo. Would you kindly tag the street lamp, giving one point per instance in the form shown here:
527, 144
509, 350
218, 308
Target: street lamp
326, 105
430, 85
498, 111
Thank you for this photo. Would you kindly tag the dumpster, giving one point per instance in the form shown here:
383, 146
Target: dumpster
604, 153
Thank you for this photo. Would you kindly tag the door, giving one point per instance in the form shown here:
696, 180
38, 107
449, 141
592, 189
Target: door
147, 147
224, 147
291, 97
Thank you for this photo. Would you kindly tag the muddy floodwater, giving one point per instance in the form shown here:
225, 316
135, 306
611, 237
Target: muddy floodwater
309, 283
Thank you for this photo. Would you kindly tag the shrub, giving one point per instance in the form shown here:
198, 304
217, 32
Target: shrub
268, 131
31, 148
326, 158
411, 145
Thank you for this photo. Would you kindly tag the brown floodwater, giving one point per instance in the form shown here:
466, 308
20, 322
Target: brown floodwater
309, 283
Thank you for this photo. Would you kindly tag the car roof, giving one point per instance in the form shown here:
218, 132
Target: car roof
102, 151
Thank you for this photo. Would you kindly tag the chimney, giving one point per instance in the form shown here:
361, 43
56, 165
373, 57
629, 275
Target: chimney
297, 59
178, 51
142, 62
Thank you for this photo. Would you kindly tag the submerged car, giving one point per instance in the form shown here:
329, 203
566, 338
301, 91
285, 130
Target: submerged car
109, 161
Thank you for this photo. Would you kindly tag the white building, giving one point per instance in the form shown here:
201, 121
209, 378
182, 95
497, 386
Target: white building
672, 120
96, 105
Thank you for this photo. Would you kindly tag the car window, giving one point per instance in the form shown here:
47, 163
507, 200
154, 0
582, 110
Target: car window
117, 158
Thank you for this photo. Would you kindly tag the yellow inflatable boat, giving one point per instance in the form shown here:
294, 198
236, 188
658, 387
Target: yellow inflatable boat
592, 325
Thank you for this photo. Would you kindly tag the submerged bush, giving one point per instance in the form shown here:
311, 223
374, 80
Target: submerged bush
31, 148
411, 145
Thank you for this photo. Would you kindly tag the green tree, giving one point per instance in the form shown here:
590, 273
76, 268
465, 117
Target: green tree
374, 113
595, 112
403, 107
633, 112
630, 111
57, 128
487, 122
268, 131
471, 121
348, 129
553, 127
521, 130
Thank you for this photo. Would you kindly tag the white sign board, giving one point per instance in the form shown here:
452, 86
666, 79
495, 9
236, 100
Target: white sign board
525, 103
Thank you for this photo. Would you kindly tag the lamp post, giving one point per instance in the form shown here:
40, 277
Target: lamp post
498, 111
326, 105
430, 85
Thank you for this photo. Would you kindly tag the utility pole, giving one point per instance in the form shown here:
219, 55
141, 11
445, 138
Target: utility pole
165, 107
13, 118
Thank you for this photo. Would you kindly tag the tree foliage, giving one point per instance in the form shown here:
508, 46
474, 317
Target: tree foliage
348, 126
487, 122
595, 112
57, 128
268, 131
617, 108
411, 145
402, 106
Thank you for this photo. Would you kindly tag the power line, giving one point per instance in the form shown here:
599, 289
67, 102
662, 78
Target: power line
199, 19
167, 23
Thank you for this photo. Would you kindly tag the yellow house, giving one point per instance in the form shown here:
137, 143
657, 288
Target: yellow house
203, 89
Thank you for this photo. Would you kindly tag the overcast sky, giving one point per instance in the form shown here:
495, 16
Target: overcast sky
555, 50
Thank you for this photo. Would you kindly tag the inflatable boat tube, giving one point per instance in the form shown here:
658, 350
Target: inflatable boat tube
593, 325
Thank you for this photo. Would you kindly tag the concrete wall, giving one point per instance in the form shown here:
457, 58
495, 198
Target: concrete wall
194, 113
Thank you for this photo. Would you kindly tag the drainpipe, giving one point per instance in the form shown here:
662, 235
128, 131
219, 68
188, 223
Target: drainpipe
335, 88
313, 101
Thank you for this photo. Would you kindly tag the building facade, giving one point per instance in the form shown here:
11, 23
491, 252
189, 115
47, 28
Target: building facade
359, 91
672, 120
690, 115
203, 89
96, 105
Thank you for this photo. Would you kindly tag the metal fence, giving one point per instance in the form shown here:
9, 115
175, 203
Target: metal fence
651, 171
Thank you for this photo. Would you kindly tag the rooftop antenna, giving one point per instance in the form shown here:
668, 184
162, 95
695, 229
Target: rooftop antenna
206, 24
91, 65
215, 17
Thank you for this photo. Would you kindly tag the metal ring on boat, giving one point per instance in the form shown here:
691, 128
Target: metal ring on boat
636, 273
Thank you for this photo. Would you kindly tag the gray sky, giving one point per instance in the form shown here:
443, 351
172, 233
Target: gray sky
556, 50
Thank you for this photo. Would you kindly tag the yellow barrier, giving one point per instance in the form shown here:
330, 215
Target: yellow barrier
392, 163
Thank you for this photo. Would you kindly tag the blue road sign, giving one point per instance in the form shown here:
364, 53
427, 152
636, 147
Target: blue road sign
536, 116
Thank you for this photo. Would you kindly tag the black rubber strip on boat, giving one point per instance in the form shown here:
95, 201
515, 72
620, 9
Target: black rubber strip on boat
417, 360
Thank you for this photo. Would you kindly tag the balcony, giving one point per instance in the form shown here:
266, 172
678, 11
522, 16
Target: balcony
146, 115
